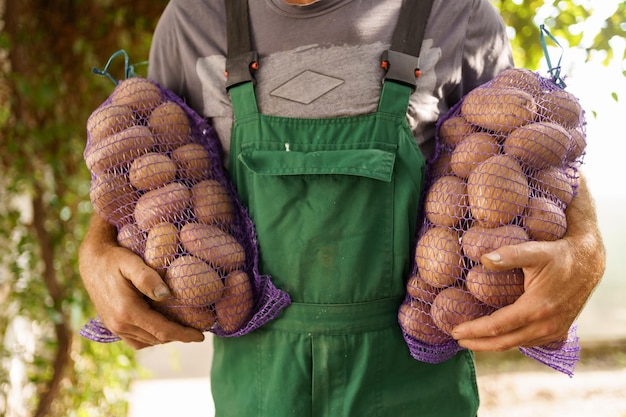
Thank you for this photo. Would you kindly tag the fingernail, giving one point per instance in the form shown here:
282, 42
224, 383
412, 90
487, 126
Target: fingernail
162, 291
494, 257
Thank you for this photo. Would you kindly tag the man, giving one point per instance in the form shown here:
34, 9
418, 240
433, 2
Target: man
335, 234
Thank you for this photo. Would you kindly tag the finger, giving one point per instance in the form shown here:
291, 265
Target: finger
163, 330
502, 321
145, 279
514, 256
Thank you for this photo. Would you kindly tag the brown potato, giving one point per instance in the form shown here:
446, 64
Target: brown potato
193, 282
140, 94
415, 320
473, 150
438, 257
544, 219
212, 203
454, 130
578, 145
420, 290
495, 288
213, 245
113, 198
107, 120
539, 145
497, 191
454, 306
170, 125
479, 240
561, 107
118, 150
499, 110
235, 307
192, 162
151, 171
520, 78
200, 318
131, 237
446, 201
553, 182
165, 204
161, 246
441, 166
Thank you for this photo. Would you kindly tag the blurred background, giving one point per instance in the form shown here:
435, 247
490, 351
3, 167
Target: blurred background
47, 91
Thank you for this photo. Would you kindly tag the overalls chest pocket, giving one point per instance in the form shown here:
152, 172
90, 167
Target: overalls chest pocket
324, 216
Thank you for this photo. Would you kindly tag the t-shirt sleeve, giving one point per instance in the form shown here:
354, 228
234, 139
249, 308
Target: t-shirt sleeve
164, 60
487, 49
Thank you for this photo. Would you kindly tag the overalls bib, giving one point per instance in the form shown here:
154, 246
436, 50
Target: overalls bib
334, 202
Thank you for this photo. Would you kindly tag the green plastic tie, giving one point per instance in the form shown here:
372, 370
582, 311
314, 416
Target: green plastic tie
555, 71
129, 69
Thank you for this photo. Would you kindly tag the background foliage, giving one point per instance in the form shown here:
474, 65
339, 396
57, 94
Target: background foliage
47, 49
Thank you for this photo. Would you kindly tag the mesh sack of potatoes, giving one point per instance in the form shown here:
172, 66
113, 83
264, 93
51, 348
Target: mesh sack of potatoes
157, 175
504, 171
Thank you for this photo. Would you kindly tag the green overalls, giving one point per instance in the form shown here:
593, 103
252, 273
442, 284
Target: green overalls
334, 203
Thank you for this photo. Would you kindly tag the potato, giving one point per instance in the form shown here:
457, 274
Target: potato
161, 246
544, 219
117, 151
107, 120
479, 240
539, 145
473, 150
497, 191
553, 182
440, 166
520, 78
420, 290
193, 282
454, 306
415, 320
192, 162
112, 197
500, 110
165, 204
138, 93
577, 148
446, 201
235, 307
438, 257
200, 318
453, 130
495, 288
561, 107
213, 245
212, 203
131, 237
170, 125
151, 171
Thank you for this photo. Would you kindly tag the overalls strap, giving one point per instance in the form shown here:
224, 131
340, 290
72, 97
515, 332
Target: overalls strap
401, 61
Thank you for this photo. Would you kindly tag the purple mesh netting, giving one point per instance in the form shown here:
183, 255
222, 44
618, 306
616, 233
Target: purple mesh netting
157, 175
504, 170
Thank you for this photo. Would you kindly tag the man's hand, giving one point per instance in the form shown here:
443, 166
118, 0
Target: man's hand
559, 277
115, 279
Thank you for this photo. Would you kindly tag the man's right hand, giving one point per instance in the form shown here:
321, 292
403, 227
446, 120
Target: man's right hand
115, 279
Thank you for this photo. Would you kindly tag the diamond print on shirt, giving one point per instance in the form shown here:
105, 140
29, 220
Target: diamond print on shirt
307, 87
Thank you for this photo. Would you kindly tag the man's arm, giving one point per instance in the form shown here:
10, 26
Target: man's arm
115, 279
559, 278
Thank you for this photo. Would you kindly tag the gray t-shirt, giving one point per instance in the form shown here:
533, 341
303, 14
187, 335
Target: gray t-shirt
323, 60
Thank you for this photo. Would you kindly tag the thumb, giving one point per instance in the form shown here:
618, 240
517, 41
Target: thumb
512, 256
145, 279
